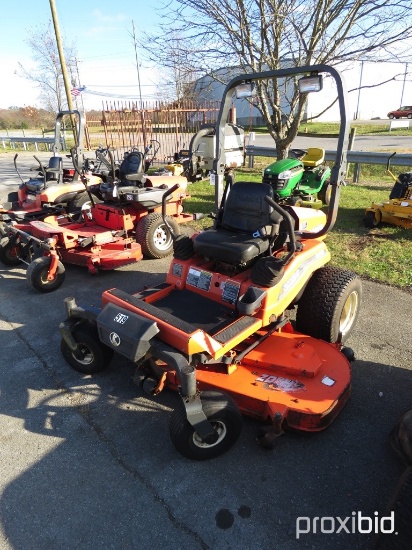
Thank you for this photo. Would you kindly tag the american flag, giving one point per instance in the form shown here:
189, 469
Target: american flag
78, 90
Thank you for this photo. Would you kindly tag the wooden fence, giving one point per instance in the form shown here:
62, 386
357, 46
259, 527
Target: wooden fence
124, 126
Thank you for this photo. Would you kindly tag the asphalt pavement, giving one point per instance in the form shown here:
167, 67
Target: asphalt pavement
87, 462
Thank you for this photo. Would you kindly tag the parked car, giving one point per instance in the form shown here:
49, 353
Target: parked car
402, 111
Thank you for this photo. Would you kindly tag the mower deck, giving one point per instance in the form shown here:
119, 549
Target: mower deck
105, 256
290, 376
394, 212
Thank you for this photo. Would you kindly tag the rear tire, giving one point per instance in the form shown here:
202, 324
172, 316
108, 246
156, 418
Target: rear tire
75, 205
93, 355
222, 413
325, 193
154, 237
330, 303
37, 271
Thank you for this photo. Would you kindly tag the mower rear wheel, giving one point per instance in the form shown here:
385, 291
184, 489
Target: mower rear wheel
37, 272
10, 253
370, 220
80, 200
329, 306
92, 356
224, 416
154, 237
325, 193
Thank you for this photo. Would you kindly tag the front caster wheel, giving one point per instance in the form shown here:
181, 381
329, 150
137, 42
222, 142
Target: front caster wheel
92, 355
37, 272
225, 418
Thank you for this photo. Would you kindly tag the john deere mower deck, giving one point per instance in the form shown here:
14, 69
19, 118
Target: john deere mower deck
218, 330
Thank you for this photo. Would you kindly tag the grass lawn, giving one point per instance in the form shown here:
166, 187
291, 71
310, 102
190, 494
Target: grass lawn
382, 254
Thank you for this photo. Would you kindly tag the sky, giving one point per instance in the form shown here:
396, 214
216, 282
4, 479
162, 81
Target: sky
101, 31
102, 34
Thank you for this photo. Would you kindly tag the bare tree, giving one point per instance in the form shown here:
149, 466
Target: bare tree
48, 73
178, 74
258, 35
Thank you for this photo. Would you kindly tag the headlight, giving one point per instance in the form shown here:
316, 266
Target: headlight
285, 175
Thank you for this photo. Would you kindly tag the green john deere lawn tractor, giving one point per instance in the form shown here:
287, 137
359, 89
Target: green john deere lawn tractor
302, 179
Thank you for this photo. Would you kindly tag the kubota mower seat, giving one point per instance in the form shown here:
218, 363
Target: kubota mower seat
244, 232
314, 157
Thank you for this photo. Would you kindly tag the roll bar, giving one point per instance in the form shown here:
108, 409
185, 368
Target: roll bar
339, 167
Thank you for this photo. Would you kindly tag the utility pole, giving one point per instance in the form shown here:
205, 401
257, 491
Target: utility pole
137, 64
359, 91
404, 79
78, 80
63, 64
142, 113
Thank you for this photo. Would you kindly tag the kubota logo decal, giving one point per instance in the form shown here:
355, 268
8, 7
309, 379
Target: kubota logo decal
271, 382
115, 339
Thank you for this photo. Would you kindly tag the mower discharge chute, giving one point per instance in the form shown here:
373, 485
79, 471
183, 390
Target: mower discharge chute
55, 188
397, 210
218, 330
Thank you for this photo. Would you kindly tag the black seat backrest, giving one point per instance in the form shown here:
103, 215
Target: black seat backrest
246, 209
401, 186
131, 164
56, 163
